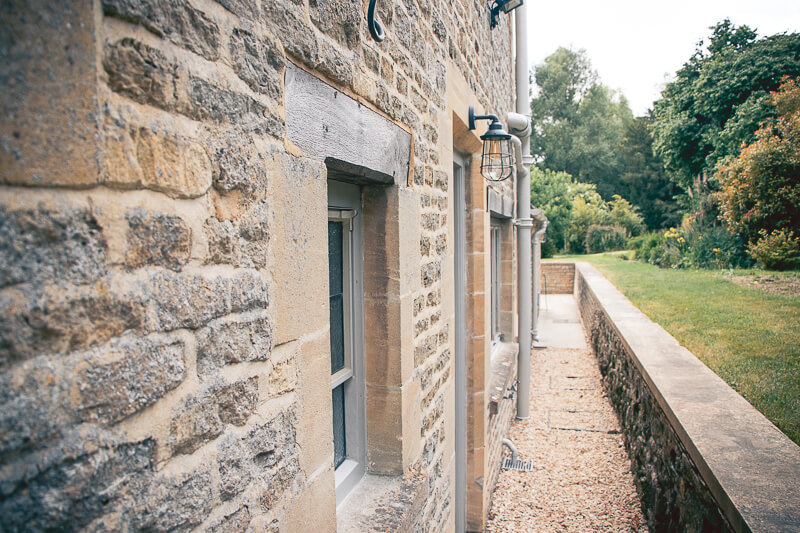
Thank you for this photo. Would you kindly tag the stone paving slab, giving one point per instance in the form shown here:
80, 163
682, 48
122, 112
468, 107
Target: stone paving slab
560, 323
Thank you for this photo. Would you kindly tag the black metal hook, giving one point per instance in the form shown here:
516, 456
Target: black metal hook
375, 28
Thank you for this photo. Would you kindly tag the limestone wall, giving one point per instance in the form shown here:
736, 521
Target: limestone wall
164, 345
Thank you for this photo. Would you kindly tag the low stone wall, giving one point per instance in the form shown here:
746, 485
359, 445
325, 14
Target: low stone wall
557, 278
703, 458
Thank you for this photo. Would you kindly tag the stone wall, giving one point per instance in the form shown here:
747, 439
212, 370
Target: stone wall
703, 458
557, 278
164, 350
674, 495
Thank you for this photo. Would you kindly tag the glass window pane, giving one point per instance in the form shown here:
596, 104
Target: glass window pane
335, 256
339, 444
335, 273
337, 333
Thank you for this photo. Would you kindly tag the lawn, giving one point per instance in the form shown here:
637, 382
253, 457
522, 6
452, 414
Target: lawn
749, 337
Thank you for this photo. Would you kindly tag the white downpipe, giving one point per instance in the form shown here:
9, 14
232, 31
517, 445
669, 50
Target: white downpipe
542, 222
523, 222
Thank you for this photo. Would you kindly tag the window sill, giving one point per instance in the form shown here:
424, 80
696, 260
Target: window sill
383, 503
503, 367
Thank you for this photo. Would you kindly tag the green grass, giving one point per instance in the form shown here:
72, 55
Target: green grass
749, 337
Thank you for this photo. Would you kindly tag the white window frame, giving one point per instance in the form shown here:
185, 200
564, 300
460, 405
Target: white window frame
496, 276
345, 205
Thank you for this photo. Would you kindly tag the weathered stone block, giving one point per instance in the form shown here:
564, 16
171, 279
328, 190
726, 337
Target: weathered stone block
288, 22
239, 164
237, 401
244, 8
276, 482
141, 73
176, 503
41, 245
210, 102
141, 372
222, 242
193, 300
58, 320
336, 65
173, 165
236, 522
157, 239
229, 341
243, 243
255, 455
258, 61
30, 406
175, 20
340, 19
203, 415
48, 94
78, 479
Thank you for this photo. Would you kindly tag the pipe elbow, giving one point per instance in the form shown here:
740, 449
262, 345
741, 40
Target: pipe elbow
519, 124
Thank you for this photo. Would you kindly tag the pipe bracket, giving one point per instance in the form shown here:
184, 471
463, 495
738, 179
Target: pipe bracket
523, 222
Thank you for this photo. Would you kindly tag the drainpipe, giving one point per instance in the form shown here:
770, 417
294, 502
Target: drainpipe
524, 223
541, 227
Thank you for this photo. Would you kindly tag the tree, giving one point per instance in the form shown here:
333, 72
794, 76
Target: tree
718, 99
573, 208
550, 192
760, 193
644, 181
578, 122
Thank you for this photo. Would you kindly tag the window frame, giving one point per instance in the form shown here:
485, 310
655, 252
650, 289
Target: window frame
496, 276
344, 205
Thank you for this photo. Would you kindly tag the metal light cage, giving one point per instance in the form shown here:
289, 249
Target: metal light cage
497, 161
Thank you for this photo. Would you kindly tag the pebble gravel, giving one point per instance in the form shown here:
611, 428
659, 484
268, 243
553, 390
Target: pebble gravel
581, 479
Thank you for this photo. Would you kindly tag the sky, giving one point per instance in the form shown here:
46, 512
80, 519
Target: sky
637, 45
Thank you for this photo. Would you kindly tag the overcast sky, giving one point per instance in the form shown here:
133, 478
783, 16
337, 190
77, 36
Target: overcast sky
635, 44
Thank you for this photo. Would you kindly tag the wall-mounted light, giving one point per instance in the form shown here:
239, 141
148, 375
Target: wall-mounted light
506, 6
497, 161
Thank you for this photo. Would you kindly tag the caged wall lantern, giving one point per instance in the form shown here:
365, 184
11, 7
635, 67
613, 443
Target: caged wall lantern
497, 161
496, 6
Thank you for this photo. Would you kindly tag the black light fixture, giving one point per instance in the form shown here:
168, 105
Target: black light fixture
506, 6
497, 161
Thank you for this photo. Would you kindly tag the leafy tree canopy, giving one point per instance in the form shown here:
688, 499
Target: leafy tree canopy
578, 122
719, 97
585, 129
644, 181
761, 187
573, 207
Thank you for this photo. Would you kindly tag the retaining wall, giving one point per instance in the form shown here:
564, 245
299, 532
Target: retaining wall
557, 278
703, 458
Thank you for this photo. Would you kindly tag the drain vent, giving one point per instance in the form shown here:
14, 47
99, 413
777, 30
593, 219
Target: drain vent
511, 464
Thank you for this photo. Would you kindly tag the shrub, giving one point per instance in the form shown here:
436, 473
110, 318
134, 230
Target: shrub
713, 247
644, 244
779, 250
605, 238
623, 214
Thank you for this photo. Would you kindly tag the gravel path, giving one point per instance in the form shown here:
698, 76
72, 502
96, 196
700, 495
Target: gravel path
581, 479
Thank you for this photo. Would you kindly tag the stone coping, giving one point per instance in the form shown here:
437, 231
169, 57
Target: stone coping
750, 466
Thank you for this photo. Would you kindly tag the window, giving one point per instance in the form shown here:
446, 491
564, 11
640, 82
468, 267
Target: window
345, 273
495, 258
